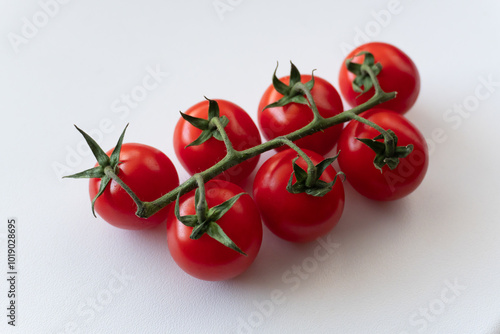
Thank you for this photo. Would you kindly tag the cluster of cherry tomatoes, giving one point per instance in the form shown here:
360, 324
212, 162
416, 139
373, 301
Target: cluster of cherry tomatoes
296, 217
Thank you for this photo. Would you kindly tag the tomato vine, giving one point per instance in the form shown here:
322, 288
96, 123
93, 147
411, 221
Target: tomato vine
234, 157
295, 93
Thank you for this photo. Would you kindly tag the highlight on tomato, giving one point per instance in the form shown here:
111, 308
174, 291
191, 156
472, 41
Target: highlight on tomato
356, 159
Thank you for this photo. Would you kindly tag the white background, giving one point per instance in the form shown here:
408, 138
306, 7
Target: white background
393, 264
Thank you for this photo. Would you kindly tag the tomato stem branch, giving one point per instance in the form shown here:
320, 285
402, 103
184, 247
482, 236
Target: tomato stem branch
388, 139
299, 86
201, 203
311, 168
108, 170
376, 85
229, 146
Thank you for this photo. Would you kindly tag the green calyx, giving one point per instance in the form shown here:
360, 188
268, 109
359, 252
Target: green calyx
309, 181
290, 95
208, 127
387, 152
105, 164
205, 219
363, 82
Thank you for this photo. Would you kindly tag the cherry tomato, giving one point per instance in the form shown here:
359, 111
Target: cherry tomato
356, 159
241, 130
206, 258
279, 121
149, 173
399, 74
296, 217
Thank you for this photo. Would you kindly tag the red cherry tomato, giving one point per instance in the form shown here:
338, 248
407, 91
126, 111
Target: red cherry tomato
296, 217
399, 74
149, 173
206, 258
356, 159
241, 130
279, 121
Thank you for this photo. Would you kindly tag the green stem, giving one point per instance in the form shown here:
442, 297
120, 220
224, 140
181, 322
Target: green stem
108, 170
229, 146
373, 76
299, 86
388, 140
201, 205
311, 168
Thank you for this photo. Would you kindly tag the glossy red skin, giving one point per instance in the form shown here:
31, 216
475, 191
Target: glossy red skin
296, 217
279, 121
206, 258
241, 130
149, 173
356, 159
399, 73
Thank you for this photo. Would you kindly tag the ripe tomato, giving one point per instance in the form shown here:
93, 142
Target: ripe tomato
279, 121
206, 258
356, 159
399, 73
241, 130
149, 173
296, 217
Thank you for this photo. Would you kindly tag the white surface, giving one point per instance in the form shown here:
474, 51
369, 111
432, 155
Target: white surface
391, 262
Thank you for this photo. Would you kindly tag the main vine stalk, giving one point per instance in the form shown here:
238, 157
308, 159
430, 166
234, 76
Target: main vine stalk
234, 157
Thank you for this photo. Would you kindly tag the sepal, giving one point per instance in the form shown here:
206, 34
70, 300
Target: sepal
206, 222
363, 82
289, 94
103, 162
208, 128
318, 188
385, 155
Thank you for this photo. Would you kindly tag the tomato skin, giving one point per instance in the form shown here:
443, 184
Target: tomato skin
149, 173
241, 130
206, 258
356, 159
296, 217
279, 121
399, 73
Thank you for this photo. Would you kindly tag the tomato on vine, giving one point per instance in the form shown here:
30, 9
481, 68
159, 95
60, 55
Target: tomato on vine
356, 158
149, 173
293, 212
227, 239
198, 144
395, 72
279, 120
145, 170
